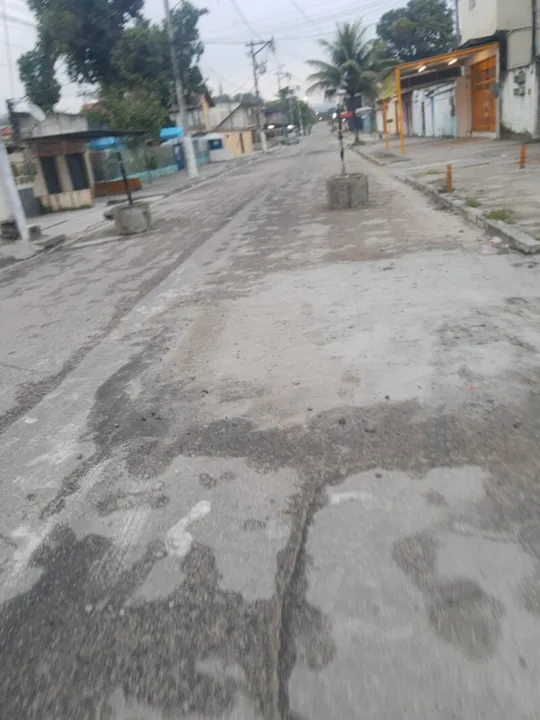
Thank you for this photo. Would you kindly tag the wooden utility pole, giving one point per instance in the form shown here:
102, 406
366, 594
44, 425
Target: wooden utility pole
280, 76
254, 49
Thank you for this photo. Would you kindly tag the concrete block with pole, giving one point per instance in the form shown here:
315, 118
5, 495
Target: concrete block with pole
347, 190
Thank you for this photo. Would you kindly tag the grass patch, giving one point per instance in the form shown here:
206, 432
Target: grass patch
472, 202
502, 214
434, 172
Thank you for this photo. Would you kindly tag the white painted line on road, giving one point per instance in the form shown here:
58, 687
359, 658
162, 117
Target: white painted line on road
368, 500
178, 539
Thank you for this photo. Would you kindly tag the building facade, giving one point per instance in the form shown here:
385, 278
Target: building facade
511, 21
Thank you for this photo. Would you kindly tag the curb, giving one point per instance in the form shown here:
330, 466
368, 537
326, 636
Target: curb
368, 157
517, 239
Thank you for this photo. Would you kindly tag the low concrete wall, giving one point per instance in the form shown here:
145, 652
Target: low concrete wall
68, 200
519, 101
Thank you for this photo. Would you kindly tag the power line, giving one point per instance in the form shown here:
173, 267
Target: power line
277, 23
18, 21
244, 19
238, 88
282, 16
304, 14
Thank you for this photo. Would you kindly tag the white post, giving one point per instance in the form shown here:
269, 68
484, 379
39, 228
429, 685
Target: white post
182, 116
10, 189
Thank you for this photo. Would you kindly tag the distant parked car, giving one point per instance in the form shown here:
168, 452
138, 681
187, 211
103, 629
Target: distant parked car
291, 138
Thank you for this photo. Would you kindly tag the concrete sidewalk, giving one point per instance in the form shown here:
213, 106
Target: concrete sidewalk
486, 174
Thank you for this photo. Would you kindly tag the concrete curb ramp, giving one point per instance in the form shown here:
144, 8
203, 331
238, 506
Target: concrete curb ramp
517, 239
368, 157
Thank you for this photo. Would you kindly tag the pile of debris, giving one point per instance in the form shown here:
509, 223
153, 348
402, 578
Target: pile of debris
9, 231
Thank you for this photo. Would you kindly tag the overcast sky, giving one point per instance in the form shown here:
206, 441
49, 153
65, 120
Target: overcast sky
295, 25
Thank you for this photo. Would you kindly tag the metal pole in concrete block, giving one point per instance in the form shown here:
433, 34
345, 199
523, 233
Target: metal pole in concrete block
346, 192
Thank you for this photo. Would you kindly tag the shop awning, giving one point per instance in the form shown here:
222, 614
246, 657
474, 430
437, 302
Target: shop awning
432, 70
440, 67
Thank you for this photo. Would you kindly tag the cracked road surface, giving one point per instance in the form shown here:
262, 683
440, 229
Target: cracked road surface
272, 462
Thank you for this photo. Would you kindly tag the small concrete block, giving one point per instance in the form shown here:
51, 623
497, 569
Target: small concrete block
35, 232
132, 219
347, 191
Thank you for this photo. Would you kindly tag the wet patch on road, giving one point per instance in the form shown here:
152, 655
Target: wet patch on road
460, 612
73, 642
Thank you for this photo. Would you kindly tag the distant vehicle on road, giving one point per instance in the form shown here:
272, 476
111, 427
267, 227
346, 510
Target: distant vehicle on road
291, 138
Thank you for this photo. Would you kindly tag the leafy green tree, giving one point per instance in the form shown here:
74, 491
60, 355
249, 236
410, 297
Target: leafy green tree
296, 111
188, 45
420, 29
85, 33
141, 58
138, 109
352, 67
36, 70
247, 99
99, 46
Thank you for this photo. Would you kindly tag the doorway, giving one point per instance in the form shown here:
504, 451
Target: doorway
484, 102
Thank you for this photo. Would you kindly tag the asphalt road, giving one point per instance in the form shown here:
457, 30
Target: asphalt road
272, 462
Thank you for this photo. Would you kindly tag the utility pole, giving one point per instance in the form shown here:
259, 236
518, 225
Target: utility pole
254, 52
9, 59
534, 50
280, 75
10, 192
14, 121
458, 31
181, 116
299, 113
300, 118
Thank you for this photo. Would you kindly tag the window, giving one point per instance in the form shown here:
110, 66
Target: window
77, 171
50, 173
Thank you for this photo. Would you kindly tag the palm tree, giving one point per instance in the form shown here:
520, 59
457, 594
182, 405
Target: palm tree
353, 67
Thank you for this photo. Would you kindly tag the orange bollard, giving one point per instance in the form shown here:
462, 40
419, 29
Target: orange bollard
449, 179
523, 158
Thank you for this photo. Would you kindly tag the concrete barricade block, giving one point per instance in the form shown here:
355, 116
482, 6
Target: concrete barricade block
132, 219
347, 191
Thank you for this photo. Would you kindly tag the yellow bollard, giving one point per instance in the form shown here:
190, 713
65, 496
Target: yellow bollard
449, 179
523, 158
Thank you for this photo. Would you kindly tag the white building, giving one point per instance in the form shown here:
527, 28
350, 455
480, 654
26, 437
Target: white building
434, 111
510, 21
